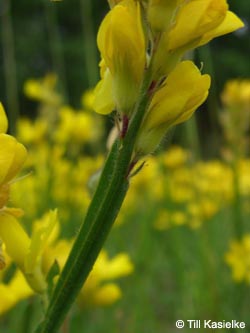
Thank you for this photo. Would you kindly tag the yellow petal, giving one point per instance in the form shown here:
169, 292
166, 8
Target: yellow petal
109, 269
3, 120
7, 153
20, 155
14, 237
230, 23
189, 112
180, 95
181, 87
121, 38
13, 292
39, 241
195, 19
106, 295
103, 100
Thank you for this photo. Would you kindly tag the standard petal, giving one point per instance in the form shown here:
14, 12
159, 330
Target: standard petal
195, 19
230, 23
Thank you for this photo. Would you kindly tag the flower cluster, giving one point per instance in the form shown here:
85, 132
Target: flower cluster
139, 37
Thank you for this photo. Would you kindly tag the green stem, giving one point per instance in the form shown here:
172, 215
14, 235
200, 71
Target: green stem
101, 215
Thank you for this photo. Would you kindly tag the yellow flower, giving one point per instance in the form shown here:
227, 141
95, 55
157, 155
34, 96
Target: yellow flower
210, 19
238, 258
230, 23
205, 14
31, 132
12, 156
12, 153
182, 92
13, 292
235, 117
122, 45
175, 157
75, 127
96, 290
27, 252
14, 237
87, 99
99, 288
43, 90
236, 94
33, 260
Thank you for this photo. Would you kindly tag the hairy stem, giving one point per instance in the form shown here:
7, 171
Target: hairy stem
100, 217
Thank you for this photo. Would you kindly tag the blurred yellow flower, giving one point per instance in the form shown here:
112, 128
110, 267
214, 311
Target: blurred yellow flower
238, 259
235, 118
43, 90
175, 157
31, 132
27, 252
236, 93
76, 126
99, 288
13, 292
97, 291
88, 99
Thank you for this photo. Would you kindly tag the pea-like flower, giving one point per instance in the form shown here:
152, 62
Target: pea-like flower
12, 157
194, 23
121, 42
182, 92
